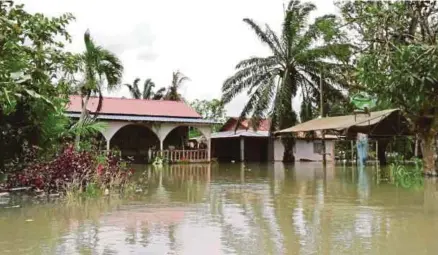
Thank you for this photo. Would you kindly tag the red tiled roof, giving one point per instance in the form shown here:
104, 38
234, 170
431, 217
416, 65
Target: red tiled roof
122, 106
264, 124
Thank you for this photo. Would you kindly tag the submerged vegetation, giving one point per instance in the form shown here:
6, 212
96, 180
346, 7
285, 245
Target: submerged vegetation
407, 176
73, 172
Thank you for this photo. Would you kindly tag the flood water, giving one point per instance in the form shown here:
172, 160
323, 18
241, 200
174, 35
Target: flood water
235, 209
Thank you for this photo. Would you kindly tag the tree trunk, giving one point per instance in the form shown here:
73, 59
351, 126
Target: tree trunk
81, 119
288, 155
382, 152
429, 153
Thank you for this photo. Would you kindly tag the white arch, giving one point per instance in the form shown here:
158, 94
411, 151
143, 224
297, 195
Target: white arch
205, 131
161, 130
116, 126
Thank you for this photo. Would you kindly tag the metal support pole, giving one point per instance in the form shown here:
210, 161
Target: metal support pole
377, 151
242, 149
321, 93
352, 151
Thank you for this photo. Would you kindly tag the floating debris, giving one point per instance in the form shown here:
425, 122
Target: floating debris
20, 189
14, 206
29, 220
4, 194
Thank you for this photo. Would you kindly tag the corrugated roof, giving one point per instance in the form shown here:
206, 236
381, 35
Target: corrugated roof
146, 118
139, 107
302, 135
239, 133
339, 123
264, 124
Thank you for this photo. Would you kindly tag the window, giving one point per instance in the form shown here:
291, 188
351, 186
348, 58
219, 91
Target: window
317, 147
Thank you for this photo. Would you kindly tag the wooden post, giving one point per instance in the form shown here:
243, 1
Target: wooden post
352, 151
377, 151
209, 149
242, 149
321, 93
416, 146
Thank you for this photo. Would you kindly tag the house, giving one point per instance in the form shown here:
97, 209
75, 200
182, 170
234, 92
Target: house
245, 143
142, 129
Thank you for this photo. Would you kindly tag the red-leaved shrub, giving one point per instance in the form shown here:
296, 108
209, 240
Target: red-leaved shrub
71, 166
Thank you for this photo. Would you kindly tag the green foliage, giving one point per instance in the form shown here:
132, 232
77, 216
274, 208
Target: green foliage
307, 112
100, 67
35, 74
87, 128
398, 55
407, 176
211, 110
397, 60
300, 58
178, 79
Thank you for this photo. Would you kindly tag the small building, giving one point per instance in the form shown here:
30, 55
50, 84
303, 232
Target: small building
258, 145
308, 147
380, 126
143, 129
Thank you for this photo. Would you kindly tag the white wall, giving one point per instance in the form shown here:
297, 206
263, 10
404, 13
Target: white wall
304, 150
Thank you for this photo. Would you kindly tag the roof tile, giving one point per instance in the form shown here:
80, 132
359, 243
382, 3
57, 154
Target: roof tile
140, 107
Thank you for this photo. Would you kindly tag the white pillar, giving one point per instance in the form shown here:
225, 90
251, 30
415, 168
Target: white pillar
107, 145
242, 148
209, 149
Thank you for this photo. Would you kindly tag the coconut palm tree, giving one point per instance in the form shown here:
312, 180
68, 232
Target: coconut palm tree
100, 67
299, 56
178, 79
148, 90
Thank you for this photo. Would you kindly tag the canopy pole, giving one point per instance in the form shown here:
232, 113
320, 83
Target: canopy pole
377, 151
321, 93
352, 151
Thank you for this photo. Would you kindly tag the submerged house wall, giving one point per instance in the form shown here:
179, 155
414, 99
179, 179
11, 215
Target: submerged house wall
306, 150
229, 149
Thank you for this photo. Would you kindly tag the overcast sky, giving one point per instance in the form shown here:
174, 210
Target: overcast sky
204, 39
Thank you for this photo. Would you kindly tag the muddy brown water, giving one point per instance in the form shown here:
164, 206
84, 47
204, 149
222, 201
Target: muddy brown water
235, 209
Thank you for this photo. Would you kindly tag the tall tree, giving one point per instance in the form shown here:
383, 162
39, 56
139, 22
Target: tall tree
148, 90
211, 110
100, 67
32, 55
397, 60
178, 79
299, 55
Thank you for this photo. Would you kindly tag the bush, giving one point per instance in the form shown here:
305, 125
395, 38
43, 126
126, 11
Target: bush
73, 170
407, 176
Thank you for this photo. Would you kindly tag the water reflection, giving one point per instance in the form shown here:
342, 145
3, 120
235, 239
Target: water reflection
236, 209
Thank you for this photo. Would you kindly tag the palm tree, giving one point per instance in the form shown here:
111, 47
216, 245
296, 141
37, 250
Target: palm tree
178, 79
99, 65
298, 57
148, 90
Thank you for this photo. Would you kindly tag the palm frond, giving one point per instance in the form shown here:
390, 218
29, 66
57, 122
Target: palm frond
148, 89
263, 36
87, 127
295, 22
159, 94
134, 89
111, 67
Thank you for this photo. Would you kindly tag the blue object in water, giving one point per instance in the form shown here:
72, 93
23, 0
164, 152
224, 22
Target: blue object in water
362, 149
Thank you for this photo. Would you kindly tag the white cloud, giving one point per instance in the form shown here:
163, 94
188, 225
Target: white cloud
202, 38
